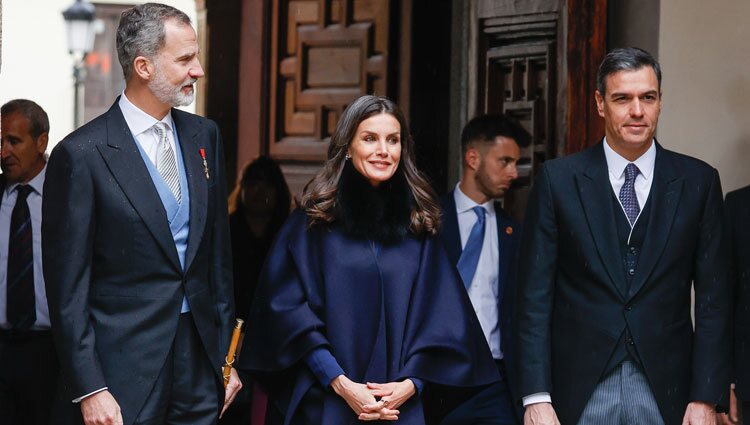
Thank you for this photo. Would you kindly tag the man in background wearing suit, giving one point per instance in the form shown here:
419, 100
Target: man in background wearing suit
28, 366
482, 240
615, 237
136, 245
738, 222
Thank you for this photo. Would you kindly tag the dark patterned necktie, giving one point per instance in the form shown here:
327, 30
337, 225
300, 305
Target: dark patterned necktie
467, 263
21, 303
627, 194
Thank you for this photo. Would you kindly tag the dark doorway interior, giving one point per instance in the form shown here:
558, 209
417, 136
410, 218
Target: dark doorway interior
429, 82
222, 75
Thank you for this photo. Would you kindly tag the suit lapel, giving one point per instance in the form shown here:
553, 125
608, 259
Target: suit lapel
595, 192
126, 164
450, 233
188, 130
665, 196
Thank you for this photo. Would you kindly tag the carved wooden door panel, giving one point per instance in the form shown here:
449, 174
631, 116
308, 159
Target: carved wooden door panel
324, 54
536, 66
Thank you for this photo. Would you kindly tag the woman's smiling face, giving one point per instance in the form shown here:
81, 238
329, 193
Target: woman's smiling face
376, 148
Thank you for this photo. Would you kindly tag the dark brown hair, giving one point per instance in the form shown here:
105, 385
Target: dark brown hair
484, 129
33, 112
319, 196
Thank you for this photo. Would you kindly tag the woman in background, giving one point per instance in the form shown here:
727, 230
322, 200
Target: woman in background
258, 207
359, 315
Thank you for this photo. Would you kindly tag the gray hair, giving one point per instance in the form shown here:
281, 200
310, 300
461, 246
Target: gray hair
625, 59
38, 120
141, 32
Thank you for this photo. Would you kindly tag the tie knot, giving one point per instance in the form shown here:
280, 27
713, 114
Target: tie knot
23, 191
479, 211
631, 171
161, 130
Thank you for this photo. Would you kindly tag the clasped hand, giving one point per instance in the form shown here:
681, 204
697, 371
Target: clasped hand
372, 401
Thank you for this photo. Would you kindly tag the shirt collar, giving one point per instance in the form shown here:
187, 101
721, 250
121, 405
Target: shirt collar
139, 121
37, 183
464, 203
616, 163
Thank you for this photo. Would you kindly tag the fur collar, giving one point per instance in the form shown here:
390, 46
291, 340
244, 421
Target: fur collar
380, 213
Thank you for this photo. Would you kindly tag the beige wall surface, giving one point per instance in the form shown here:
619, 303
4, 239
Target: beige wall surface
705, 56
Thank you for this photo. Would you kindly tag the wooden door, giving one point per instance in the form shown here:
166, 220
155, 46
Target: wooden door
318, 56
536, 61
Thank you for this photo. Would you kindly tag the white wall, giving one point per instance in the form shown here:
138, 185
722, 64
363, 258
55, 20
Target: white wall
35, 60
705, 56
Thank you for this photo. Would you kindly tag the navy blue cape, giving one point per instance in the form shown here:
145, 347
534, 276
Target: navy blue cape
386, 313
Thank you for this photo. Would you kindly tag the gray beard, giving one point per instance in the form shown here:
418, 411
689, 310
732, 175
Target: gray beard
169, 94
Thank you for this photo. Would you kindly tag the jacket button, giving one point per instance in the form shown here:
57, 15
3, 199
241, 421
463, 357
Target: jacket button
631, 272
628, 307
630, 341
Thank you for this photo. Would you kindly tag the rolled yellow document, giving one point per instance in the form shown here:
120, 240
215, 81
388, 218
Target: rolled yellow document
229, 359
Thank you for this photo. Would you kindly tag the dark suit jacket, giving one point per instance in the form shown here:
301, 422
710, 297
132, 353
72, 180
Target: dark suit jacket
113, 276
508, 243
574, 302
738, 222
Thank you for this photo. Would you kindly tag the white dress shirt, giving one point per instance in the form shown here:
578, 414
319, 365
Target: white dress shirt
616, 165
34, 201
484, 285
141, 126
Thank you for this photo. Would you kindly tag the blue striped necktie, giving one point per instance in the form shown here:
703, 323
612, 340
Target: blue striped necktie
21, 303
467, 263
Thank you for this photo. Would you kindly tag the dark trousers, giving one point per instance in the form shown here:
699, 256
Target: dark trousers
28, 377
187, 391
491, 406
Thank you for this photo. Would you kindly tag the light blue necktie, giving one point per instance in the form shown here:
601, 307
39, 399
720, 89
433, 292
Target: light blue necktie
467, 264
627, 194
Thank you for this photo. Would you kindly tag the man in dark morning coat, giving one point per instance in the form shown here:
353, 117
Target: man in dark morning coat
738, 222
614, 239
136, 247
486, 261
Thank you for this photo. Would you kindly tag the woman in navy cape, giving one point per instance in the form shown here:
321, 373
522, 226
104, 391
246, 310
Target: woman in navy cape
359, 314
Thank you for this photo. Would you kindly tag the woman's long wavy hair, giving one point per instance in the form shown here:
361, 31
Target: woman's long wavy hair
319, 195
